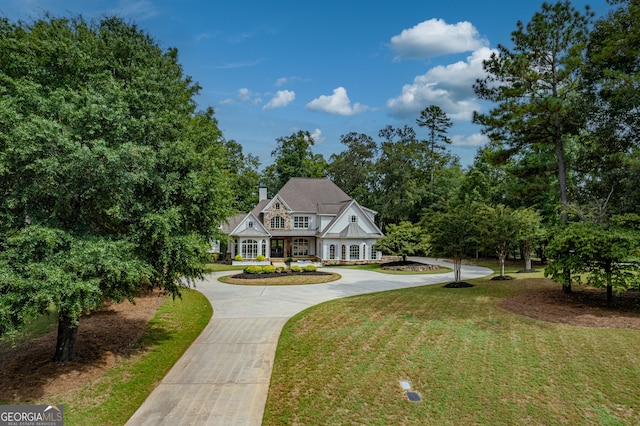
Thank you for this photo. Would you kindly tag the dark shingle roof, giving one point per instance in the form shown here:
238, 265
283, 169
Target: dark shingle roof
313, 195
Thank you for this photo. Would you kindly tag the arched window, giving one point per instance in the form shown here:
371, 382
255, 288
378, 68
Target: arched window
332, 251
250, 224
354, 252
264, 248
300, 247
344, 252
277, 222
249, 249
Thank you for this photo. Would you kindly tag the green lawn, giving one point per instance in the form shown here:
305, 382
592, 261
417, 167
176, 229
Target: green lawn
342, 362
115, 396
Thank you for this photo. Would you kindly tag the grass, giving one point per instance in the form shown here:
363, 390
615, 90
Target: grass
342, 362
219, 267
116, 395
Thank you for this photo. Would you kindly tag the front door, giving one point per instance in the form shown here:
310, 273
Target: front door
277, 248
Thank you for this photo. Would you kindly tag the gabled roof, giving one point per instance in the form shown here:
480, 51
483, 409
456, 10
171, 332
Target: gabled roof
312, 195
351, 231
234, 227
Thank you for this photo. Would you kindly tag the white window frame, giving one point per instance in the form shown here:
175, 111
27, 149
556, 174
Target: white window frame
249, 249
301, 222
277, 222
300, 247
354, 252
332, 251
353, 218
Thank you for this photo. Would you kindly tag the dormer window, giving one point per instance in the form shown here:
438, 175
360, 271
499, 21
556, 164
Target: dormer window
354, 219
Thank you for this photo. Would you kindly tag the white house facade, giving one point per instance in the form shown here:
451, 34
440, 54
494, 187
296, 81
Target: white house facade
307, 219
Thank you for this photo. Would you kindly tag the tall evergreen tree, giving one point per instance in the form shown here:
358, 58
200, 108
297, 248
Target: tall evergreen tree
536, 85
437, 123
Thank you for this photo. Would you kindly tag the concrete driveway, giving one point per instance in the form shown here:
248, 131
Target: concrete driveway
223, 378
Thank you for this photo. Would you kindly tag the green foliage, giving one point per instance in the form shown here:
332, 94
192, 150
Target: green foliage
110, 179
253, 269
268, 269
310, 268
606, 254
353, 169
296, 268
260, 257
404, 239
536, 88
293, 158
238, 257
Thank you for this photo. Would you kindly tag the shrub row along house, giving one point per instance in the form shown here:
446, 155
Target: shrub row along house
308, 219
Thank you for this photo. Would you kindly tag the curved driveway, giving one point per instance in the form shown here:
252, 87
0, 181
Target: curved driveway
223, 378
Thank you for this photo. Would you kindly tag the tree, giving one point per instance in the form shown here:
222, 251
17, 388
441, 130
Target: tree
404, 239
398, 190
353, 169
437, 122
605, 252
110, 182
244, 176
293, 158
530, 235
451, 233
536, 86
607, 160
498, 229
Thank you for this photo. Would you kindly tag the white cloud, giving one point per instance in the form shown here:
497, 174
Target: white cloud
317, 136
244, 95
434, 38
281, 81
474, 140
338, 103
450, 87
140, 9
281, 99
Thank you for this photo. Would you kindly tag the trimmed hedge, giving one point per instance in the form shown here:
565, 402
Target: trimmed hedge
310, 268
253, 269
268, 269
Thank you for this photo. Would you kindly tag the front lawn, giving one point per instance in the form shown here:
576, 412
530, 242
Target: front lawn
343, 362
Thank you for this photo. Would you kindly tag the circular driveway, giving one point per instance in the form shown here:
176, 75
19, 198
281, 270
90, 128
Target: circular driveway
223, 378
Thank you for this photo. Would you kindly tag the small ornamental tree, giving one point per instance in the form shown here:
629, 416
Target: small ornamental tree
606, 253
404, 240
497, 228
452, 234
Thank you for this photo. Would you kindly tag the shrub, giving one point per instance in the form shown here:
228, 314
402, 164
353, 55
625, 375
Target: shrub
268, 269
296, 268
261, 257
310, 268
238, 257
253, 269
288, 261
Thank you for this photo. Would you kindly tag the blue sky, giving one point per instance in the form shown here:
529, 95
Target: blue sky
271, 68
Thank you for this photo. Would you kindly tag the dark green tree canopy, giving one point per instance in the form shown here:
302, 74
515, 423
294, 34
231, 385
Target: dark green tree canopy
110, 180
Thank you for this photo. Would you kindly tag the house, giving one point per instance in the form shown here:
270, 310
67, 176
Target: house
311, 219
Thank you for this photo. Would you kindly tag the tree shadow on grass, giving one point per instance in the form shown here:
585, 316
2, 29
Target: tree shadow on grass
28, 373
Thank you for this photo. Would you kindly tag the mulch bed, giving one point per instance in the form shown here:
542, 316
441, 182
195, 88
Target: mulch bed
409, 266
245, 276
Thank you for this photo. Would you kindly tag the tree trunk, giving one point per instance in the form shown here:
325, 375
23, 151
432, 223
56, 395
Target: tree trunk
526, 255
566, 285
457, 269
66, 341
609, 295
501, 258
562, 179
